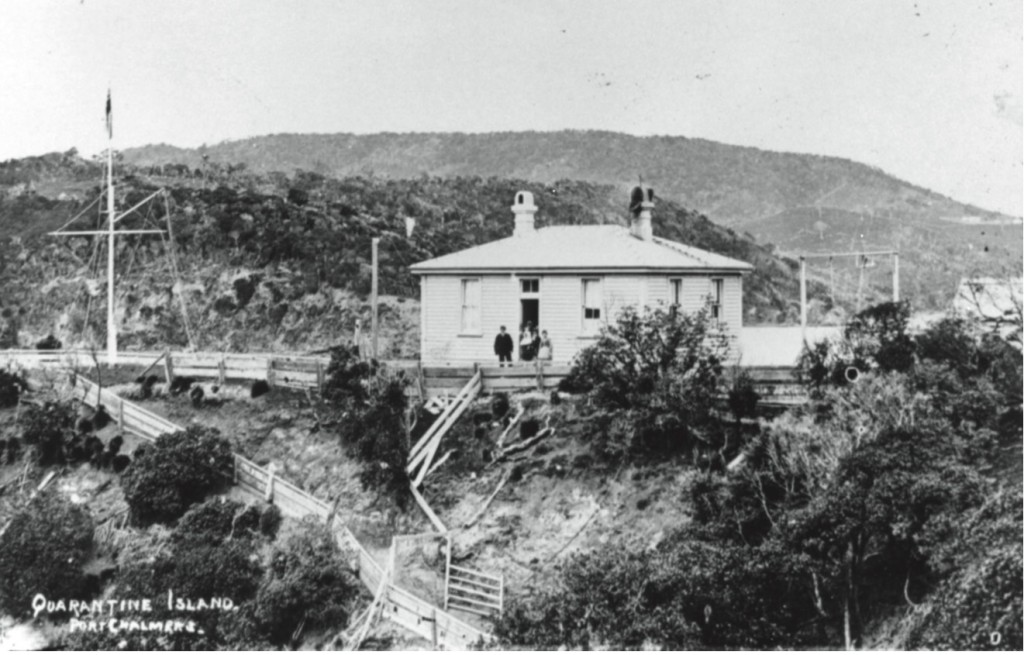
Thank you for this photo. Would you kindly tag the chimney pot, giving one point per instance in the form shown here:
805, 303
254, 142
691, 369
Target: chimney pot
641, 202
524, 209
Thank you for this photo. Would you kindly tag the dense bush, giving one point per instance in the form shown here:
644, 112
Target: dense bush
42, 552
879, 495
659, 370
689, 594
308, 586
179, 470
371, 407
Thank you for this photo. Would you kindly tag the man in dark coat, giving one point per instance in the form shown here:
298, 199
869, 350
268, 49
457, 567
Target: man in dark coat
503, 347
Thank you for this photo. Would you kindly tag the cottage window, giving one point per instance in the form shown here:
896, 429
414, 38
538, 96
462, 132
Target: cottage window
716, 298
531, 285
471, 306
592, 301
675, 297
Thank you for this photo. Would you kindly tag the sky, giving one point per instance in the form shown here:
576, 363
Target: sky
929, 91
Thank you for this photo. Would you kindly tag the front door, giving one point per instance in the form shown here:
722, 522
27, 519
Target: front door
529, 312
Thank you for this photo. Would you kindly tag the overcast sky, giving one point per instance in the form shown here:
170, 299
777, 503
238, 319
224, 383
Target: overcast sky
928, 91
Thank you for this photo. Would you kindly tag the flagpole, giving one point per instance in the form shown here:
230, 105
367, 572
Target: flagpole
111, 325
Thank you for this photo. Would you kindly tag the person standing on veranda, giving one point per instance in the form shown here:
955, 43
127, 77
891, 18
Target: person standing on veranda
503, 347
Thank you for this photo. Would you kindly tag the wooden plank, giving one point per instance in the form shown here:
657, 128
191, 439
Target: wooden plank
463, 605
431, 516
426, 454
448, 371
524, 371
510, 384
487, 594
494, 580
435, 426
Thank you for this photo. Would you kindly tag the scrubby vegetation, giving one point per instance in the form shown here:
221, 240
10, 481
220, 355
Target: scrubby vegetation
369, 405
839, 515
179, 470
651, 379
42, 551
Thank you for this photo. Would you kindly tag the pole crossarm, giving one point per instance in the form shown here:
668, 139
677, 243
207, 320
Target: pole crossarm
866, 253
104, 232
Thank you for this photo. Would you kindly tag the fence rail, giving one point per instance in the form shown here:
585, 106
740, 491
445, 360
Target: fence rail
402, 607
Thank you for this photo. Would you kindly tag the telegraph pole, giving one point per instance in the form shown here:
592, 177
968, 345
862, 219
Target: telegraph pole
803, 299
111, 323
373, 296
896, 276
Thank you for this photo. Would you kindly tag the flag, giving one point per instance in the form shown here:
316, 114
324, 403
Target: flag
110, 118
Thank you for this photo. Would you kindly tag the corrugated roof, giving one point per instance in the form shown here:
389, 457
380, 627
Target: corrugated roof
572, 247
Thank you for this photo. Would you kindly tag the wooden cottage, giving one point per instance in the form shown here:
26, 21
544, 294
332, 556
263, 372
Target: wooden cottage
567, 279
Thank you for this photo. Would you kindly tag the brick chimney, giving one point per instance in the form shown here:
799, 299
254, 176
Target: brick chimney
641, 202
524, 209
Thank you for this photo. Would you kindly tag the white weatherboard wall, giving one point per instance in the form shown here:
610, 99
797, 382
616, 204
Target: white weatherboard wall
560, 302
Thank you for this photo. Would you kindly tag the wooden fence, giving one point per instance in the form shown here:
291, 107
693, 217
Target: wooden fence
404, 608
473, 591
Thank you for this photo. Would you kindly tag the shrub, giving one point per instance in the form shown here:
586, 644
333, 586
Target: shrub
42, 552
49, 343
211, 521
743, 397
11, 386
45, 429
661, 369
879, 334
499, 404
270, 521
308, 582
120, 463
259, 388
528, 428
370, 405
179, 470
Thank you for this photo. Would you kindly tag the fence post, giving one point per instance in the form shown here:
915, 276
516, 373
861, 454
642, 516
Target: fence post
433, 628
221, 372
269, 497
319, 376
392, 556
270, 371
447, 569
234, 470
168, 367
120, 413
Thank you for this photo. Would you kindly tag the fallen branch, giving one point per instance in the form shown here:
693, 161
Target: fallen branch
515, 448
490, 499
511, 424
439, 462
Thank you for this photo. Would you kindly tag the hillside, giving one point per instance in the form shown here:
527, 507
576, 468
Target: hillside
272, 261
796, 202
736, 185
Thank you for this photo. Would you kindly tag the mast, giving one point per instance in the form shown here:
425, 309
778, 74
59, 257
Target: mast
111, 324
110, 233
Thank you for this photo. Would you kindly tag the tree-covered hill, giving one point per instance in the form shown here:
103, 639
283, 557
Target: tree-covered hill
280, 255
737, 186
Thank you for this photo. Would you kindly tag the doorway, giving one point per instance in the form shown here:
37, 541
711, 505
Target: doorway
529, 312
